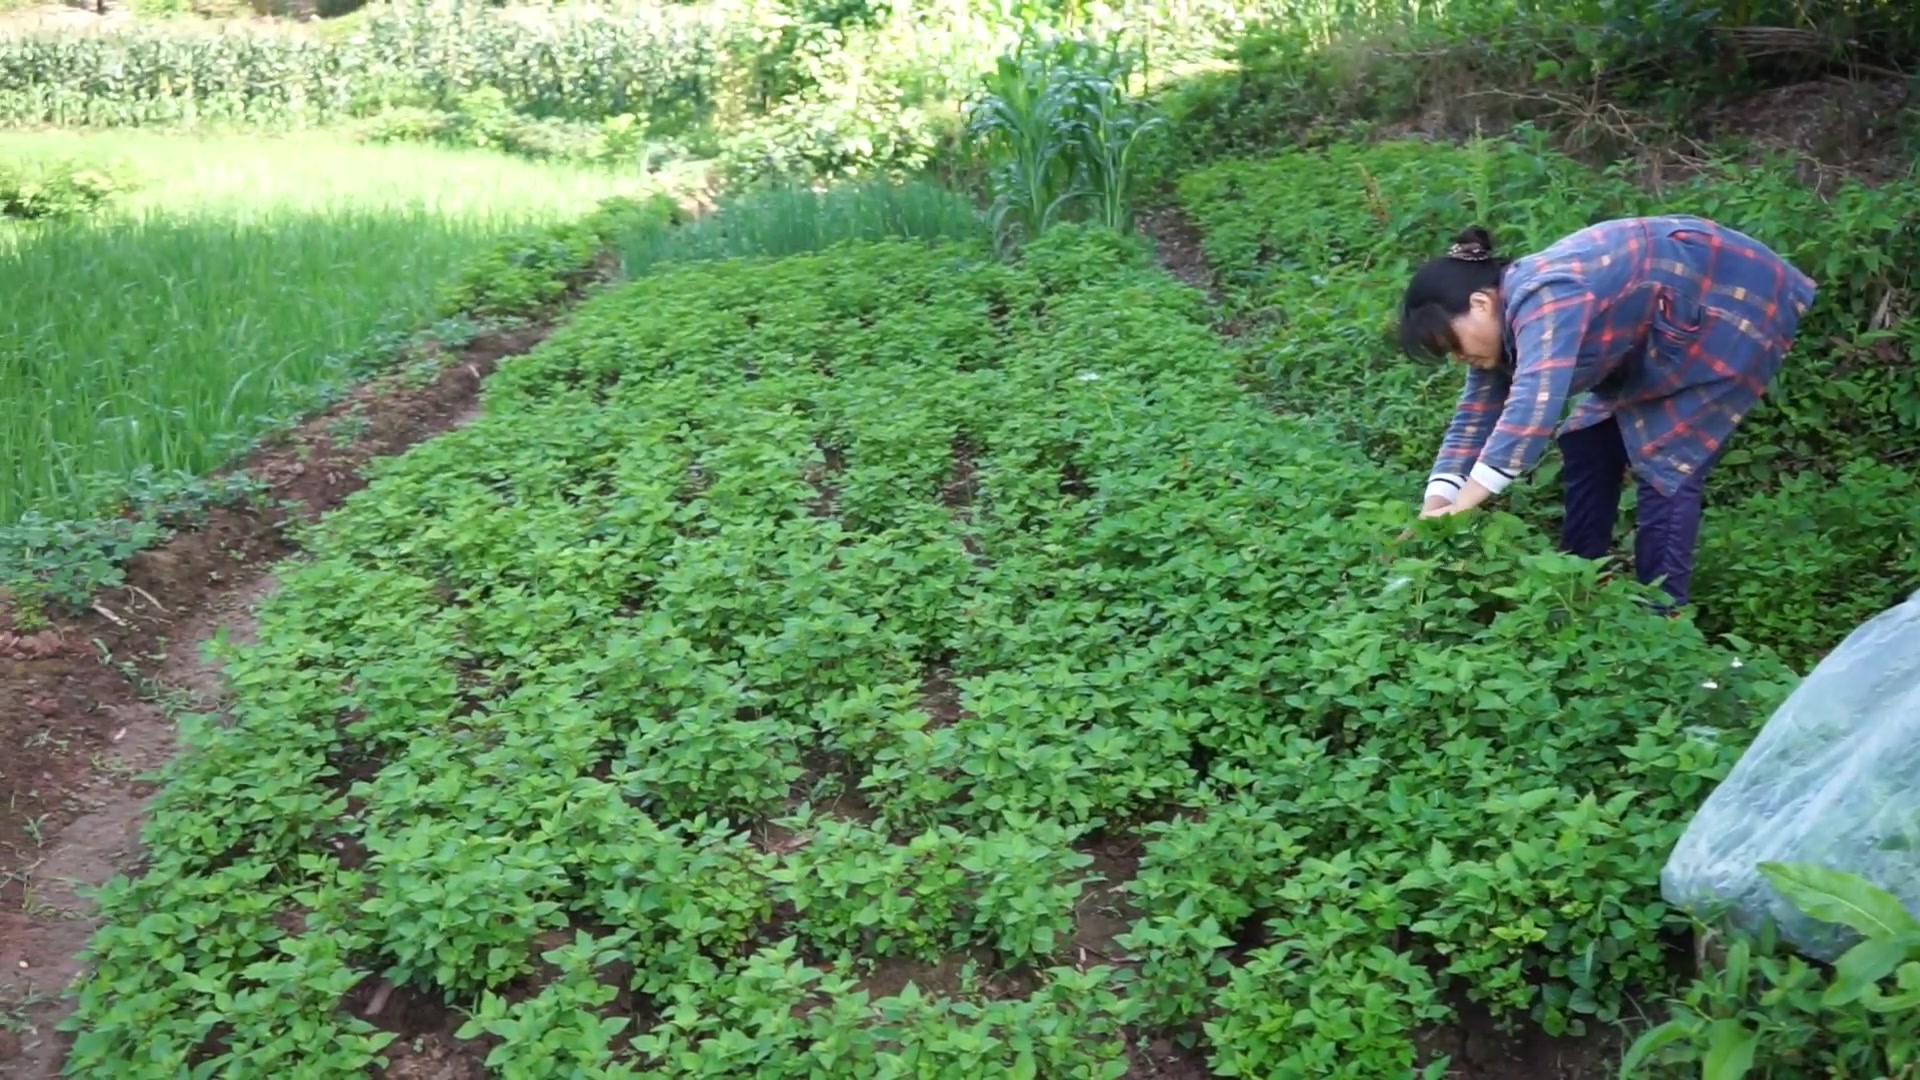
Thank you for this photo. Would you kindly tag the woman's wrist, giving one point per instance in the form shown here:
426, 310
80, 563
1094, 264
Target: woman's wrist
1473, 494
1444, 486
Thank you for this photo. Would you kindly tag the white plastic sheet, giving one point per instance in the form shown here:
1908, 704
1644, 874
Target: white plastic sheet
1833, 780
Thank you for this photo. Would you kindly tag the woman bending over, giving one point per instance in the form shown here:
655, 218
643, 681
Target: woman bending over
1673, 327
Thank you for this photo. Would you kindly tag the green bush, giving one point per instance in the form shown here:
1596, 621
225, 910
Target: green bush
1610, 78
481, 120
59, 189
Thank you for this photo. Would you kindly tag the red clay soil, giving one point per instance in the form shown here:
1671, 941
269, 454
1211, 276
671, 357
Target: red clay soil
87, 705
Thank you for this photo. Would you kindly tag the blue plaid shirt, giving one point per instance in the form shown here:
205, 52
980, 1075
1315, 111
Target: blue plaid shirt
1673, 325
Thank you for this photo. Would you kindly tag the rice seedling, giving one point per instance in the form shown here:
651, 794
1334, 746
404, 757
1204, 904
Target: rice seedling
797, 220
226, 293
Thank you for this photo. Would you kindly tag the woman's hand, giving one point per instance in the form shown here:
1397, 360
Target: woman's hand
1472, 495
1434, 506
1443, 510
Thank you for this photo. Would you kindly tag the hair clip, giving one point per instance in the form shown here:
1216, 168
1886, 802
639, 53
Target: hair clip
1469, 253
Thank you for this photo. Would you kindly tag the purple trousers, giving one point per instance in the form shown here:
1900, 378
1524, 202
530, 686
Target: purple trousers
1666, 527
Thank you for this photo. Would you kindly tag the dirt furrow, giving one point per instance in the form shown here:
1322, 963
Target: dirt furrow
91, 702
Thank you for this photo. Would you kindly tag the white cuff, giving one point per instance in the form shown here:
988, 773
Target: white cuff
1445, 486
1490, 478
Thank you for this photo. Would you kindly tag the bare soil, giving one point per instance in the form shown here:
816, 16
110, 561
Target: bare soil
1834, 128
1182, 250
1181, 246
88, 706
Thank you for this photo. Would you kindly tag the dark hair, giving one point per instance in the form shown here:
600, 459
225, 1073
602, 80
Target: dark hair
1440, 290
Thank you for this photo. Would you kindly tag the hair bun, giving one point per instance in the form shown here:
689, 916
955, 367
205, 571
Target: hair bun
1474, 244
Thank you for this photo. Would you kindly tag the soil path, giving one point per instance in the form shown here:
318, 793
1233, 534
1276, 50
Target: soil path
87, 707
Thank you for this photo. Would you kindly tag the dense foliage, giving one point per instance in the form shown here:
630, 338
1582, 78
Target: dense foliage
623, 714
829, 88
32, 191
1812, 527
761, 86
1612, 79
789, 628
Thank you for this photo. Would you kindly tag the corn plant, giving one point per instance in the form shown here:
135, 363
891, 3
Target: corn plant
1026, 123
1056, 118
1110, 134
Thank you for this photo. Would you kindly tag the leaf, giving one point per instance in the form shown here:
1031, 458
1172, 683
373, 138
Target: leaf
1909, 983
1651, 1043
1863, 966
1834, 896
1730, 1049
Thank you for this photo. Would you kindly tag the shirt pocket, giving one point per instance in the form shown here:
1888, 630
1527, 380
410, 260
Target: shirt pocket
1677, 323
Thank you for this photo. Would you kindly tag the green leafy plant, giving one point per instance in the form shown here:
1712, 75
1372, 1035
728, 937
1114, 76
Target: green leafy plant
529, 273
60, 189
1055, 120
563, 1027
1313, 244
1802, 1021
50, 566
1325, 1007
794, 627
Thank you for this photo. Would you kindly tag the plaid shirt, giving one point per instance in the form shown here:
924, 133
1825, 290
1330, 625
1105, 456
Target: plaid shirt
1673, 325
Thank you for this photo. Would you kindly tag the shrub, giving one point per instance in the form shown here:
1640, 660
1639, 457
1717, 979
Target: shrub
60, 189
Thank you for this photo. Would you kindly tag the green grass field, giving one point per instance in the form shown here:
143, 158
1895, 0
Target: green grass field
226, 292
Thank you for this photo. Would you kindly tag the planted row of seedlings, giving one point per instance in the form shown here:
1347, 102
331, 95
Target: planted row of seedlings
609, 717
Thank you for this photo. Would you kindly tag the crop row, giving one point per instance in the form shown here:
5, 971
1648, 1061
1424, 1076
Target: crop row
761, 84
1809, 527
940, 565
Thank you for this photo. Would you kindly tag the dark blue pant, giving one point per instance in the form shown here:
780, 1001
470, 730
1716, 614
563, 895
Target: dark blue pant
1666, 527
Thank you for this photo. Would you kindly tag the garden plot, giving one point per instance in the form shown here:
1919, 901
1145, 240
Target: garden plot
897, 662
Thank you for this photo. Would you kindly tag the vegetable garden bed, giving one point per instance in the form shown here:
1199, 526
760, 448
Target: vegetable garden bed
894, 662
